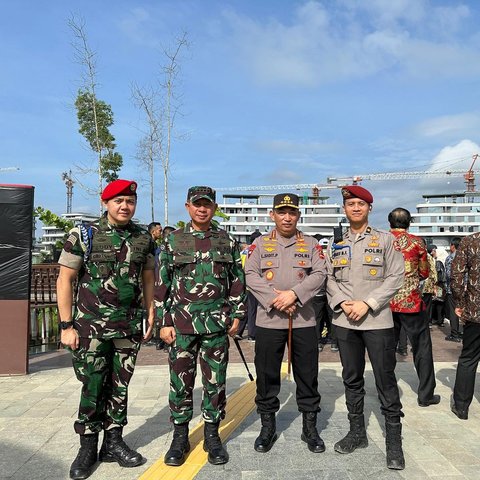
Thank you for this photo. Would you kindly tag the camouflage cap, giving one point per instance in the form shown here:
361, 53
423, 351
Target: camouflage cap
285, 200
198, 192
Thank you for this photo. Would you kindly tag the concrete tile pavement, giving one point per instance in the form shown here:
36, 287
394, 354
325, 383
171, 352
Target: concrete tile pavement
37, 439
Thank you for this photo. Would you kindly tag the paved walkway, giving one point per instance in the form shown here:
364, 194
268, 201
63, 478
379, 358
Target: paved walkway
37, 439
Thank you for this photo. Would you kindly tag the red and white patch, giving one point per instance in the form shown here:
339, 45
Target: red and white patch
251, 248
319, 249
396, 246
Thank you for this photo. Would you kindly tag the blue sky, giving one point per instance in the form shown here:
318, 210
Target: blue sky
274, 92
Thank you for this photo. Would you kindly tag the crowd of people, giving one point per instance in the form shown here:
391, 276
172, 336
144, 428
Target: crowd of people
189, 290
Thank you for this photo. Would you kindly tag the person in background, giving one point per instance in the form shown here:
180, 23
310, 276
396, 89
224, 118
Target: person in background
408, 308
155, 230
455, 334
323, 312
464, 282
438, 298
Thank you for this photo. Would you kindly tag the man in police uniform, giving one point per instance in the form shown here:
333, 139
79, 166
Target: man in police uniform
365, 270
112, 261
202, 299
284, 270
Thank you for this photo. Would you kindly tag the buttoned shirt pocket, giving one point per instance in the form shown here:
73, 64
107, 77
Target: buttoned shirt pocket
301, 269
269, 268
221, 264
184, 263
101, 264
373, 267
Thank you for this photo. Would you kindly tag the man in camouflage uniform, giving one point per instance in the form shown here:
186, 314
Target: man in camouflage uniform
203, 294
112, 261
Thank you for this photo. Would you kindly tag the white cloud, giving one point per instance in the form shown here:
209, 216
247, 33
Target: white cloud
463, 123
326, 42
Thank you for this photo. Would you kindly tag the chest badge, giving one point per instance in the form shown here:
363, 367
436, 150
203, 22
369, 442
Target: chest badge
343, 261
269, 263
301, 263
368, 258
373, 272
269, 275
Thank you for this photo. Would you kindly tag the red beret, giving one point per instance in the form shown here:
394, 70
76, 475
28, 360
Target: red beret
356, 191
119, 187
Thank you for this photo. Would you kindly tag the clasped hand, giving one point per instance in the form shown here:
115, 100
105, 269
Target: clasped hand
355, 309
285, 301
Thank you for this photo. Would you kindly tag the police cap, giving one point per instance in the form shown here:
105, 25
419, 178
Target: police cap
285, 200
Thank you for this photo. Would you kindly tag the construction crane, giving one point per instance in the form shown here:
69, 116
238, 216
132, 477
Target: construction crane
338, 182
470, 175
355, 179
67, 178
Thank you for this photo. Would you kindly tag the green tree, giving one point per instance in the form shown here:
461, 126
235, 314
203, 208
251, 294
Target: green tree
95, 117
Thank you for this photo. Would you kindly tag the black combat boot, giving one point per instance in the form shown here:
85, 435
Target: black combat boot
310, 433
114, 449
268, 434
86, 458
180, 446
393, 443
217, 455
356, 437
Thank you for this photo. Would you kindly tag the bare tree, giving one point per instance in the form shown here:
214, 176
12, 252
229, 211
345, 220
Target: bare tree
150, 146
161, 107
94, 116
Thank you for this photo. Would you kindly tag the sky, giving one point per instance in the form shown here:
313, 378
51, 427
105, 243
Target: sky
273, 92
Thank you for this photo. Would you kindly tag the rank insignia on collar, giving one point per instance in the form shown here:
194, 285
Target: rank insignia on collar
269, 275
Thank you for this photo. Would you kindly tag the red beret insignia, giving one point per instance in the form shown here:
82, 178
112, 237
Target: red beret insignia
119, 187
356, 191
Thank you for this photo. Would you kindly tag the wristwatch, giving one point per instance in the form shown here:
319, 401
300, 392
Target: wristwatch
65, 325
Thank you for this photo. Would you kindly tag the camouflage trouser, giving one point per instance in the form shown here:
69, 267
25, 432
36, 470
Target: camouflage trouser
183, 355
105, 368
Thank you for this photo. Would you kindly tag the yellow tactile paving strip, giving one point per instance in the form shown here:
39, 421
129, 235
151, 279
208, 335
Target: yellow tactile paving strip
239, 405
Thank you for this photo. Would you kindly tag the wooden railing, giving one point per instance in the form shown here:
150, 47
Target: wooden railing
43, 307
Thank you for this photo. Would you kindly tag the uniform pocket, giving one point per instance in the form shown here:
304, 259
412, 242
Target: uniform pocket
372, 267
221, 264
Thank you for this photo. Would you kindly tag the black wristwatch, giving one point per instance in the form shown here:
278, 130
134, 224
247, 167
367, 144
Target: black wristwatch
65, 325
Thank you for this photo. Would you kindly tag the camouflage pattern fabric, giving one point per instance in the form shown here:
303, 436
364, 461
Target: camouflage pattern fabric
202, 281
213, 361
108, 300
105, 368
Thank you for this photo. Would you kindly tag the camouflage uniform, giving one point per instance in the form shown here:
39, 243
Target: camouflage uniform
202, 291
107, 315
